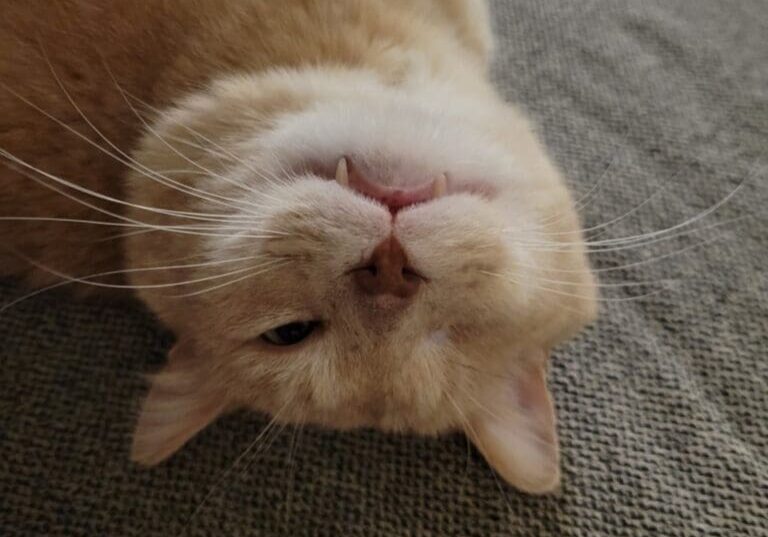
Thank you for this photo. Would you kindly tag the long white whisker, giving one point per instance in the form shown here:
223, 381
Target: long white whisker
295, 441
197, 165
127, 160
232, 156
579, 204
10, 156
177, 214
272, 265
630, 265
192, 227
240, 458
618, 285
470, 429
629, 244
67, 221
88, 280
271, 179
72, 281
33, 294
574, 295
681, 225
612, 222
586, 199
21, 167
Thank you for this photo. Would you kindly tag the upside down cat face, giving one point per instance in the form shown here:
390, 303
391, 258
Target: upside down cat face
383, 282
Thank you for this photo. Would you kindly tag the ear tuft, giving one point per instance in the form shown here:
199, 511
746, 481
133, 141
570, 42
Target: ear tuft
516, 431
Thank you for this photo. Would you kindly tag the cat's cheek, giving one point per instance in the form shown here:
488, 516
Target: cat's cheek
447, 237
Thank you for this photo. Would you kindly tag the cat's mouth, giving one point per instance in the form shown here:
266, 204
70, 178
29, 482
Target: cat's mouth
395, 199
347, 174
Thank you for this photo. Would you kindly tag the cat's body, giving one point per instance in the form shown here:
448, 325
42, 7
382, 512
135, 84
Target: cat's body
433, 304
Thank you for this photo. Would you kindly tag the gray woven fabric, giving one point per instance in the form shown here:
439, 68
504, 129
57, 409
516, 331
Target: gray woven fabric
663, 403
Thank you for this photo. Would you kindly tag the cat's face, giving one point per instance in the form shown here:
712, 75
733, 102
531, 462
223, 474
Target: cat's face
408, 270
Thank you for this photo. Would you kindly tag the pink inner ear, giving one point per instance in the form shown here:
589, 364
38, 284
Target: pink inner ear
178, 406
516, 432
169, 420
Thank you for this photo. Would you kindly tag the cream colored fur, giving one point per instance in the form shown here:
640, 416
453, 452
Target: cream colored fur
400, 87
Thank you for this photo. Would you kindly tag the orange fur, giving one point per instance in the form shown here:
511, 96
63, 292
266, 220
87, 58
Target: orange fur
157, 51
242, 104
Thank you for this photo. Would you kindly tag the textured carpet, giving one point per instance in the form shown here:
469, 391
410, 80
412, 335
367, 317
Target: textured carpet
663, 403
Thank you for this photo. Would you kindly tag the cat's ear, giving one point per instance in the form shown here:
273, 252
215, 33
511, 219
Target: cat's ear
178, 406
516, 430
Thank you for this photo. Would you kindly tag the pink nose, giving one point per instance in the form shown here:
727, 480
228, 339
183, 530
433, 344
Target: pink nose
387, 272
393, 198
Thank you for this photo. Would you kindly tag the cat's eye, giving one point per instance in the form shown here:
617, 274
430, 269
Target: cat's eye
290, 334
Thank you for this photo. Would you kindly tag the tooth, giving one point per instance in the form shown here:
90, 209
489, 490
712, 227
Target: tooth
342, 172
440, 186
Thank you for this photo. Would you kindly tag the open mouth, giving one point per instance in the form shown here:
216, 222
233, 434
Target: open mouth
394, 199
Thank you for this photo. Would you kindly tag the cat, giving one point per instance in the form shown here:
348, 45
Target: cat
326, 201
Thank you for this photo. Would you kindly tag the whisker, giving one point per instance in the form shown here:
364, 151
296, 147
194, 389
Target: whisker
269, 435
478, 370
681, 225
618, 285
67, 221
469, 428
295, 441
630, 244
88, 280
126, 159
20, 168
274, 264
196, 164
240, 231
579, 204
9, 156
198, 134
81, 279
586, 199
181, 172
612, 222
241, 457
643, 239
573, 295
142, 227
630, 265
33, 294
232, 156
602, 229
178, 214
266, 446
655, 259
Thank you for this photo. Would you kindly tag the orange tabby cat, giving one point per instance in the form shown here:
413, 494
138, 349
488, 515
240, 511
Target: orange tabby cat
326, 201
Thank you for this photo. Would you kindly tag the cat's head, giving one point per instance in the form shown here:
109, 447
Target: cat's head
391, 258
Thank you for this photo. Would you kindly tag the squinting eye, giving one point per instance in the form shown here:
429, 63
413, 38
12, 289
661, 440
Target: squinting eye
290, 334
